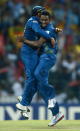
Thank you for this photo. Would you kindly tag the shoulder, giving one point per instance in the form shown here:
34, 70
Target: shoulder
29, 20
51, 26
32, 20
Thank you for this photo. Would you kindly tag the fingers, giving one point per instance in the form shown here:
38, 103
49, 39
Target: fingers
59, 30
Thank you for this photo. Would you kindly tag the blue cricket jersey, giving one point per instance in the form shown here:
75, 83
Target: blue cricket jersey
47, 47
31, 32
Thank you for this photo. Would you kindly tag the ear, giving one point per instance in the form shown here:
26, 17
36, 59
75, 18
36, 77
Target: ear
39, 14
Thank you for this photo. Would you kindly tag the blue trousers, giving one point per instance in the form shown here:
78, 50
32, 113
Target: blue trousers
36, 71
37, 76
30, 61
46, 61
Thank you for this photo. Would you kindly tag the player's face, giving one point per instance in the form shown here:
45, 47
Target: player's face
44, 19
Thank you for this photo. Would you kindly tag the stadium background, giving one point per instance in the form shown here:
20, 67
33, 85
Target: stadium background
65, 76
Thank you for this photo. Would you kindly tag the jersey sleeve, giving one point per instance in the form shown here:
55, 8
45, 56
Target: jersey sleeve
36, 27
53, 34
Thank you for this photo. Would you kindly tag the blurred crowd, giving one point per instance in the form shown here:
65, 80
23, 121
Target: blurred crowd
65, 75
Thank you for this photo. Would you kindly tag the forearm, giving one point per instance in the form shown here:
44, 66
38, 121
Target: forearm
38, 43
53, 42
28, 42
35, 44
31, 43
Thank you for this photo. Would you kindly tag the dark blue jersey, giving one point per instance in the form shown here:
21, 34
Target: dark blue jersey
47, 47
32, 30
33, 26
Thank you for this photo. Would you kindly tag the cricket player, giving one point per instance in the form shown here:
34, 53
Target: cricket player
29, 56
46, 61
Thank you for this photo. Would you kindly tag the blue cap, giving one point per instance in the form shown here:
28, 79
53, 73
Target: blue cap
37, 9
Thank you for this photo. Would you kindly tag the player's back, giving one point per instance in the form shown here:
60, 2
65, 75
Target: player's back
29, 34
28, 31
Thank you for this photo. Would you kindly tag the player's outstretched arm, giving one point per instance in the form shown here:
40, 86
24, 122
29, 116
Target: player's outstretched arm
36, 27
36, 44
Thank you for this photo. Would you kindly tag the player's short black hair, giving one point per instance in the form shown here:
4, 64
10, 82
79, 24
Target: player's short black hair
46, 13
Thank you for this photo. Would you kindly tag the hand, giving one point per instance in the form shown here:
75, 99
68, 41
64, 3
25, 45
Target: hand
41, 41
59, 30
20, 39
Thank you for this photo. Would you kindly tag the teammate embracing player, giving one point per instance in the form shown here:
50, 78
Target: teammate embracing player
39, 66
